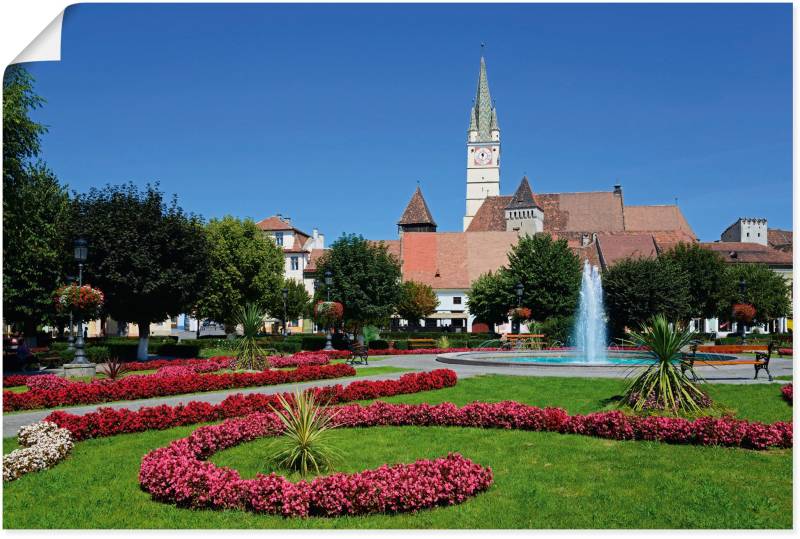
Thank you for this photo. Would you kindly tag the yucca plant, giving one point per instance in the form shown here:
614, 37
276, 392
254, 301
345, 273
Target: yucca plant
664, 385
114, 368
249, 355
443, 342
305, 444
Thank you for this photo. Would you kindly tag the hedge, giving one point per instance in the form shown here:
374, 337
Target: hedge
180, 350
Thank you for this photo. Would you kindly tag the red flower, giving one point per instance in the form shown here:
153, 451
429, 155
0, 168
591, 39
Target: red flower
744, 312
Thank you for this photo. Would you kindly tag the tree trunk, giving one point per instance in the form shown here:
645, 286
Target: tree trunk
30, 333
144, 337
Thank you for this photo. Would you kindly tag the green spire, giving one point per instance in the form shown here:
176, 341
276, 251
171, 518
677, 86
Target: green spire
473, 119
483, 109
494, 125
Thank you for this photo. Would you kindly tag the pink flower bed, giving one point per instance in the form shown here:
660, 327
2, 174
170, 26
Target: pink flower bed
180, 474
47, 382
788, 392
110, 422
141, 387
300, 359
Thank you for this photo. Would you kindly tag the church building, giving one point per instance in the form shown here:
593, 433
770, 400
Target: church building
598, 226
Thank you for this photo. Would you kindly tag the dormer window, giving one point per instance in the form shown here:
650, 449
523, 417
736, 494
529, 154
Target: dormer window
279, 238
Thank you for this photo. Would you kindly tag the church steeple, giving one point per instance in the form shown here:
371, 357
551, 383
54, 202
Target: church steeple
416, 217
483, 117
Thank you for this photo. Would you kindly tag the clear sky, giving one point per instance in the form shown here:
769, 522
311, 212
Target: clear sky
331, 114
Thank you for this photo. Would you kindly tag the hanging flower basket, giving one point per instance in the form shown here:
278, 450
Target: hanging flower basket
83, 301
328, 312
520, 314
744, 313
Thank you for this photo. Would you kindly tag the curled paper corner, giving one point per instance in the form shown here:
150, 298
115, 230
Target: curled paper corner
46, 47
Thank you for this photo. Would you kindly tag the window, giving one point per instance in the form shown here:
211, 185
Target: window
279, 238
456, 300
295, 263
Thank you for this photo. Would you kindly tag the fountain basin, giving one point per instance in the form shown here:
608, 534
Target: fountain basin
561, 358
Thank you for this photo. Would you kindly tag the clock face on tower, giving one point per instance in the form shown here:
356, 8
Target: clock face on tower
483, 156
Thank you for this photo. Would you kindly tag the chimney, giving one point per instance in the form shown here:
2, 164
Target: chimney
618, 189
288, 220
584, 240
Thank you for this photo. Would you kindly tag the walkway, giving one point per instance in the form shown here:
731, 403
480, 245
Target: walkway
729, 374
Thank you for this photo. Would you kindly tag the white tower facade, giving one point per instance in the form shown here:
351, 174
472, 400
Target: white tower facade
483, 149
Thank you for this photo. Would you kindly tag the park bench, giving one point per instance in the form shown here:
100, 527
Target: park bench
526, 341
414, 344
761, 361
359, 354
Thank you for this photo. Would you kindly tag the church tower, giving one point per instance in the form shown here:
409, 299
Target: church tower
483, 149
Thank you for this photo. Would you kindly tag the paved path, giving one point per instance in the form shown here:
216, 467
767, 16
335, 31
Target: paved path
729, 374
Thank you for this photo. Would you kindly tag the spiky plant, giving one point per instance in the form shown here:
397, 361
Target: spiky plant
249, 355
664, 385
305, 445
443, 342
114, 368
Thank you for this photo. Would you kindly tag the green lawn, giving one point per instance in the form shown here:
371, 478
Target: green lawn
542, 480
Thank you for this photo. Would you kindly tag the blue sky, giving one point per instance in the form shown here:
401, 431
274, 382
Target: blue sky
331, 114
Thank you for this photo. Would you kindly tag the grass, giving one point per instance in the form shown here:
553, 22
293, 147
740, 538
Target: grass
542, 480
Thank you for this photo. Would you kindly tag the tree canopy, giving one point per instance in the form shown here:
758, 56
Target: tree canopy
245, 267
766, 290
417, 300
366, 280
34, 209
148, 257
706, 272
298, 301
550, 274
636, 289
490, 297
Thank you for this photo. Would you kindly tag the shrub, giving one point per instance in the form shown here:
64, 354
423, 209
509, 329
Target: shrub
312, 343
304, 445
378, 344
401, 344
557, 329
114, 368
287, 347
123, 351
181, 350
443, 342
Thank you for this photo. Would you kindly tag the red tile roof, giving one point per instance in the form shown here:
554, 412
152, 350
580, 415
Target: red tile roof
780, 239
616, 247
740, 252
653, 218
491, 215
417, 212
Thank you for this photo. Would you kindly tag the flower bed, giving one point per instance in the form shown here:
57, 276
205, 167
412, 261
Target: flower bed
110, 422
142, 387
44, 445
180, 474
300, 359
788, 393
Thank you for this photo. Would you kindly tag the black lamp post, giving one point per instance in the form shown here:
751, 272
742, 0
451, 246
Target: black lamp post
515, 325
285, 293
81, 253
328, 284
71, 337
742, 289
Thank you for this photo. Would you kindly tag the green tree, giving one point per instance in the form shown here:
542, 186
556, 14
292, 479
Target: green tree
765, 290
298, 301
706, 271
490, 297
34, 206
636, 289
417, 300
147, 256
550, 274
245, 267
366, 280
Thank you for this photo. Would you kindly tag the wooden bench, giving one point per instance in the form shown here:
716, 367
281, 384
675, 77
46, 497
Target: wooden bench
529, 341
358, 354
414, 344
761, 361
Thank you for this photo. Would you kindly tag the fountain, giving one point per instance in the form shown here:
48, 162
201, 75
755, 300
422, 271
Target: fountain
590, 335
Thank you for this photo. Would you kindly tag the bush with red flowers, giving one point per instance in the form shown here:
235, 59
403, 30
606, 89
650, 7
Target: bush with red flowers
110, 422
744, 313
787, 393
180, 474
143, 387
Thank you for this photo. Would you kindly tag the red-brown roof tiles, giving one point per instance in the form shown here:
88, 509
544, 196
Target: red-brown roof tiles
740, 252
780, 239
616, 247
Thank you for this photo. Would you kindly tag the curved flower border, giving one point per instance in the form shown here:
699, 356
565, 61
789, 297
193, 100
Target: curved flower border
44, 444
180, 474
788, 393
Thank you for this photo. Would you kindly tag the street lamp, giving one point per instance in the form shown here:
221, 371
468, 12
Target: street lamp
71, 337
515, 325
285, 293
742, 290
81, 253
328, 283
